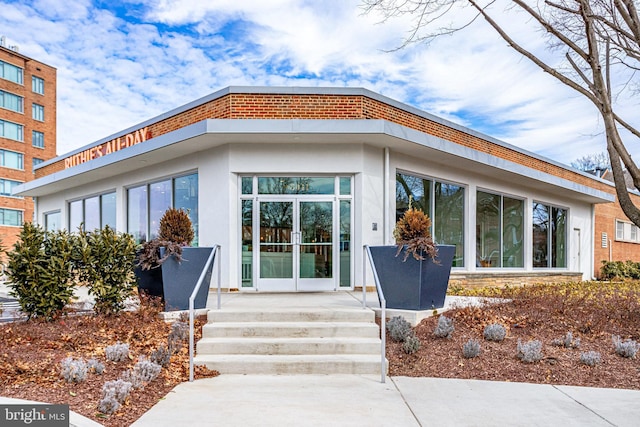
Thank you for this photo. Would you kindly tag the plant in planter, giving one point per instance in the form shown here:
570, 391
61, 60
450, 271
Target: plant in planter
169, 268
419, 279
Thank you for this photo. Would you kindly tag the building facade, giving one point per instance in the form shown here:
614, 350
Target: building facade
27, 132
292, 182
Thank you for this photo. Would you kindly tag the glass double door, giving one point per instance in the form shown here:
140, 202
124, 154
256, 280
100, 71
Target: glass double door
297, 245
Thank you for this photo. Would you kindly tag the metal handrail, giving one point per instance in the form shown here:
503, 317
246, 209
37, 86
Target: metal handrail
383, 307
192, 298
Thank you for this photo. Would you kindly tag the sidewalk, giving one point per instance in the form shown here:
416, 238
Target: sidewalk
352, 400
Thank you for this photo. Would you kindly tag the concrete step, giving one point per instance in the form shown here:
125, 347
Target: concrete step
361, 364
292, 315
288, 346
291, 329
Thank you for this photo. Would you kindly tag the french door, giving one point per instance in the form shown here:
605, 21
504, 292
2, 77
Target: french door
297, 244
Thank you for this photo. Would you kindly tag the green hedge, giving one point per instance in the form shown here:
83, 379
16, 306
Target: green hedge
620, 270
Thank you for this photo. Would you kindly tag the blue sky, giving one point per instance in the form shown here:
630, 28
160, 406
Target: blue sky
124, 61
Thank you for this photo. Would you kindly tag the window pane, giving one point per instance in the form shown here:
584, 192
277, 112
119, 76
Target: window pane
52, 221
247, 243
108, 210
11, 217
137, 213
37, 85
345, 243
448, 225
186, 197
414, 188
619, 230
247, 185
7, 185
92, 213
296, 185
37, 139
559, 237
488, 229
11, 102
11, 130
512, 232
75, 215
540, 235
159, 202
11, 72
345, 185
35, 162
37, 112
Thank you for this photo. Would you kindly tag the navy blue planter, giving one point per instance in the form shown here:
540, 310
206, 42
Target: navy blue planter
175, 281
413, 284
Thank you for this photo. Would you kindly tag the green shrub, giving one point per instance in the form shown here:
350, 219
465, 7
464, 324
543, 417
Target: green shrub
105, 261
620, 270
39, 271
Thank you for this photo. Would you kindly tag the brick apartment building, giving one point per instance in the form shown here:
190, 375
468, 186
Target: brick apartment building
27, 132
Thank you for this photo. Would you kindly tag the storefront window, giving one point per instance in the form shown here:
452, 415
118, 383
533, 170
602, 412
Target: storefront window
52, 221
159, 202
92, 213
108, 210
549, 236
444, 199
75, 215
296, 185
185, 196
137, 209
499, 231
247, 243
345, 243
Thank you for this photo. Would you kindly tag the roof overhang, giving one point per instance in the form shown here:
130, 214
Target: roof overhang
212, 133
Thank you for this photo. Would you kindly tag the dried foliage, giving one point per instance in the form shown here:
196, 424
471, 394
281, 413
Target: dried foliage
176, 226
31, 353
413, 233
593, 311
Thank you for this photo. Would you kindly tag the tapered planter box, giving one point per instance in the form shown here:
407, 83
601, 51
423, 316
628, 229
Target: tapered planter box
413, 284
175, 281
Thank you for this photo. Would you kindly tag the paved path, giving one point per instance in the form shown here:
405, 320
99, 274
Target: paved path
352, 400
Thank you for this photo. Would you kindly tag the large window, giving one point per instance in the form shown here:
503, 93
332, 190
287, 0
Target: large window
37, 112
93, 212
7, 185
52, 221
499, 231
549, 236
11, 217
11, 72
147, 203
37, 85
37, 139
11, 159
11, 102
11, 130
443, 202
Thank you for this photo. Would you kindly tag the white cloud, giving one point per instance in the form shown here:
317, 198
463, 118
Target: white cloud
118, 69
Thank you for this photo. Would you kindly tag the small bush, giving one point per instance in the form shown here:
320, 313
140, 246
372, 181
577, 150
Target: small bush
590, 358
411, 344
567, 342
178, 335
143, 372
495, 332
114, 394
627, 348
445, 327
73, 370
620, 270
95, 366
117, 352
529, 352
399, 329
161, 356
471, 349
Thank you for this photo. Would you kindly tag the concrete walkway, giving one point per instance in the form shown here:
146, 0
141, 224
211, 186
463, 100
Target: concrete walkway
352, 400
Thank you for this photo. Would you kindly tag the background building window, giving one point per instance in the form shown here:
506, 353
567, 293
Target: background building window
11, 159
37, 139
37, 112
11, 72
627, 232
445, 200
499, 231
549, 236
11, 130
37, 85
93, 212
7, 185
147, 203
11, 102
11, 217
35, 162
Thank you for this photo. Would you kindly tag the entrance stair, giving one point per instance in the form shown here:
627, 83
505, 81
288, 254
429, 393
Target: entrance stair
302, 339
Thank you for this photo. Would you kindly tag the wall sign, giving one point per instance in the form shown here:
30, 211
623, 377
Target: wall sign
117, 144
